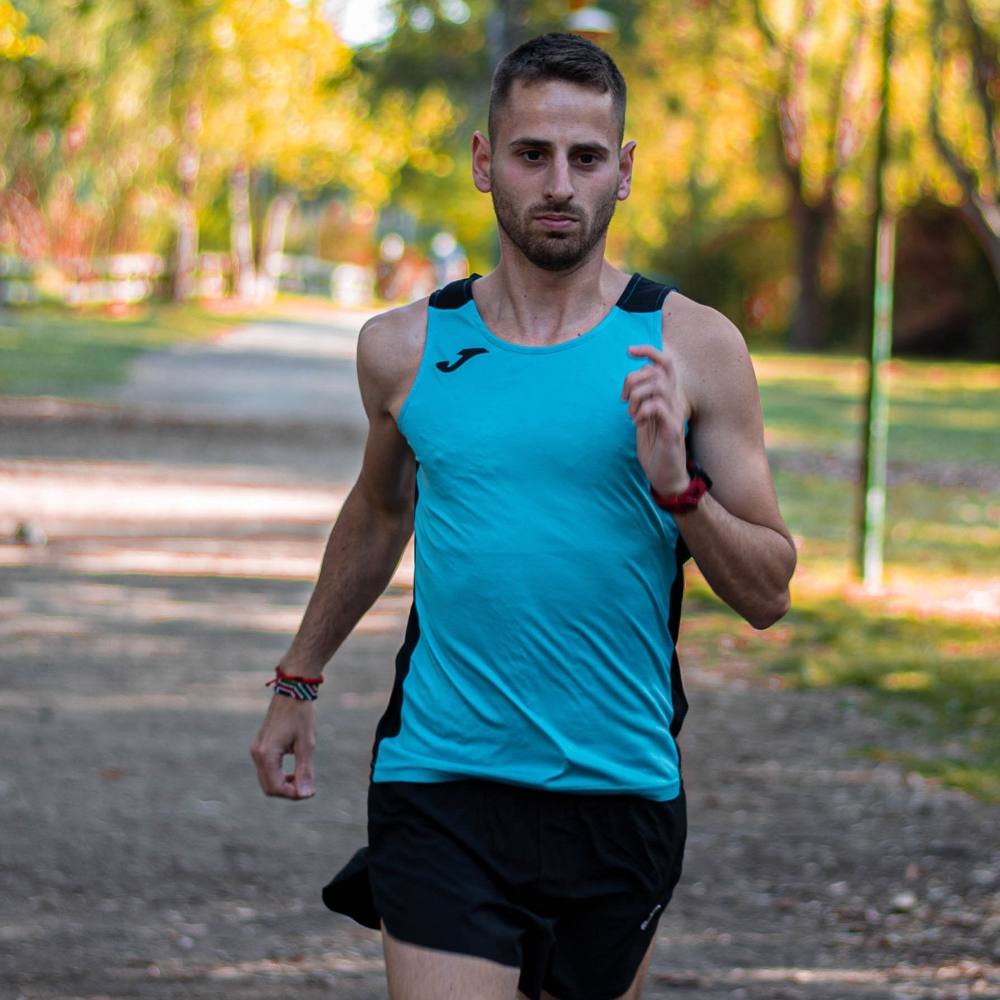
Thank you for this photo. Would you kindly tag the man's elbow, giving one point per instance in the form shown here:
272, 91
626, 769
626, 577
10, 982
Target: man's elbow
765, 615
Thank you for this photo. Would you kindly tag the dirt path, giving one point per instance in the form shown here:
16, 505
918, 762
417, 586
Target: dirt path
139, 860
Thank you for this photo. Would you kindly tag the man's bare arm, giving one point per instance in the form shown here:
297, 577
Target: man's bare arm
363, 551
737, 535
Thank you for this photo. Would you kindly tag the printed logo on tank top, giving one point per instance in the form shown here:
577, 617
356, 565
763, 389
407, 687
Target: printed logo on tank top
463, 356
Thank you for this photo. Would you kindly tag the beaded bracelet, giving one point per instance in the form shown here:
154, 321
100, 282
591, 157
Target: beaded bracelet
299, 688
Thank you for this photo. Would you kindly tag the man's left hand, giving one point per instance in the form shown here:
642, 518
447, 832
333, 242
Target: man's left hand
658, 409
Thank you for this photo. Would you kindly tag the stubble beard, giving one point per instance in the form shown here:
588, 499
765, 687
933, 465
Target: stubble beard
553, 251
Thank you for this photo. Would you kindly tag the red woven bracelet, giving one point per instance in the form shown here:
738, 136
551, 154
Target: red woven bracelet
299, 688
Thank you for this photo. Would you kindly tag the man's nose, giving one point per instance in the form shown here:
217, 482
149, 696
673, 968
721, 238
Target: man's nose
559, 180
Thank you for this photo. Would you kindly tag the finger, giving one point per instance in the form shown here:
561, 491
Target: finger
646, 390
270, 775
659, 363
303, 777
653, 411
649, 352
639, 377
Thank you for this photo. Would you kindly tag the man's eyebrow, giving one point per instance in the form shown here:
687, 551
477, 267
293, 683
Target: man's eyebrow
528, 141
578, 147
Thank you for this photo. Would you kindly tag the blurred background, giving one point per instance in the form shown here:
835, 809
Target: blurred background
213, 149
201, 201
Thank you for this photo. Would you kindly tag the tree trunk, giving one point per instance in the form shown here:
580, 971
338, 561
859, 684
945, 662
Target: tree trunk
275, 228
188, 163
808, 331
187, 250
988, 238
240, 234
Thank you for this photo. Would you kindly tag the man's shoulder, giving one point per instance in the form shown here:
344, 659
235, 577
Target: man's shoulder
391, 345
711, 355
695, 328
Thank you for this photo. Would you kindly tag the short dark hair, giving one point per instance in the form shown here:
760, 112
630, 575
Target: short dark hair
558, 56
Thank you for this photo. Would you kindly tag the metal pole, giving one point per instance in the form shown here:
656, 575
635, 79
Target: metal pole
876, 437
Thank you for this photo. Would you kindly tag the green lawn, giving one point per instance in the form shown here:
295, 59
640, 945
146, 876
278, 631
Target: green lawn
940, 412
50, 351
939, 675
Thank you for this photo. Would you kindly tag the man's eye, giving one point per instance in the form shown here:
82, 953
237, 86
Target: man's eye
588, 159
532, 155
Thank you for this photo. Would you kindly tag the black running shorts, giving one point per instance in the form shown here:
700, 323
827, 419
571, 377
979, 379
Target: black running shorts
567, 888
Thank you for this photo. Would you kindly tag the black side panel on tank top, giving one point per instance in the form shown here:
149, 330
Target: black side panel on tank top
392, 719
643, 295
389, 725
677, 695
453, 295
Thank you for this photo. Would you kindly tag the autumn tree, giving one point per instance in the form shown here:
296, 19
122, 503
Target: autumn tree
276, 90
964, 110
141, 110
754, 108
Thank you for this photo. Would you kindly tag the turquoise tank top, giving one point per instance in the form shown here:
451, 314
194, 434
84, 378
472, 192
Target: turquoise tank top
540, 649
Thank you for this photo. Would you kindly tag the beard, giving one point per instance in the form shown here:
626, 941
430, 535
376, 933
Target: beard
554, 251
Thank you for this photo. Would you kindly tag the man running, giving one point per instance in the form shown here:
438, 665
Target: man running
571, 434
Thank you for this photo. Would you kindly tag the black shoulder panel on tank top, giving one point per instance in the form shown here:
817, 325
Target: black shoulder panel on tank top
642, 295
453, 295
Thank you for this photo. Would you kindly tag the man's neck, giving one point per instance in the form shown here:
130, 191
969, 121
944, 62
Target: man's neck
526, 304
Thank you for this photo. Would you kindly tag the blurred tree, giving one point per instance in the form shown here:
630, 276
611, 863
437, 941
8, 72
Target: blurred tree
965, 81
142, 109
278, 92
15, 43
751, 109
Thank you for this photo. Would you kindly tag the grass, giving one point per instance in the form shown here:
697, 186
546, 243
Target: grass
48, 350
935, 675
939, 676
940, 412
51, 351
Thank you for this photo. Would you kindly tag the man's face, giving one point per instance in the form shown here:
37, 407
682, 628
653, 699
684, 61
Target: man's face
555, 171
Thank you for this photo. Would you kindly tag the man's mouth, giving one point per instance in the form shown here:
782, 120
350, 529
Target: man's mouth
556, 223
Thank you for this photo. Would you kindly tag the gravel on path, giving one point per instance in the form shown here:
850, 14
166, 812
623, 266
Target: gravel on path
139, 859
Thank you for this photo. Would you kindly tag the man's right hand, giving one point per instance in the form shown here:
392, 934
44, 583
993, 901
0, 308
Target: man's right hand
289, 728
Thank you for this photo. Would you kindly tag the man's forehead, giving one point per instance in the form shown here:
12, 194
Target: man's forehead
558, 105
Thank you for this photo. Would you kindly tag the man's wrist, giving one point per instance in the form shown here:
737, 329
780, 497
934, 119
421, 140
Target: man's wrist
300, 666
686, 500
299, 687
673, 489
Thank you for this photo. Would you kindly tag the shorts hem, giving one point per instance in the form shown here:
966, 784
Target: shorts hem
420, 776
453, 950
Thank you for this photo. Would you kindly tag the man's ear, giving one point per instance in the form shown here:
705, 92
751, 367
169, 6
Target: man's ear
482, 156
626, 160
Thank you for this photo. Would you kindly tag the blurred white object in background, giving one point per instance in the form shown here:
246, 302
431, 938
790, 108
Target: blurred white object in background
352, 285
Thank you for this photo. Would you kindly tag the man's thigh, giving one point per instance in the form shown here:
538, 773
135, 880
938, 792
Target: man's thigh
416, 973
634, 992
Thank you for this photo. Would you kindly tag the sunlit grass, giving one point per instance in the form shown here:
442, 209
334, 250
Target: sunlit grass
940, 677
48, 350
955, 529
817, 404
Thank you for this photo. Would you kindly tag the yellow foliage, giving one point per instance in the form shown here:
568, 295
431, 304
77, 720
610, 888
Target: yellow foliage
14, 43
286, 98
